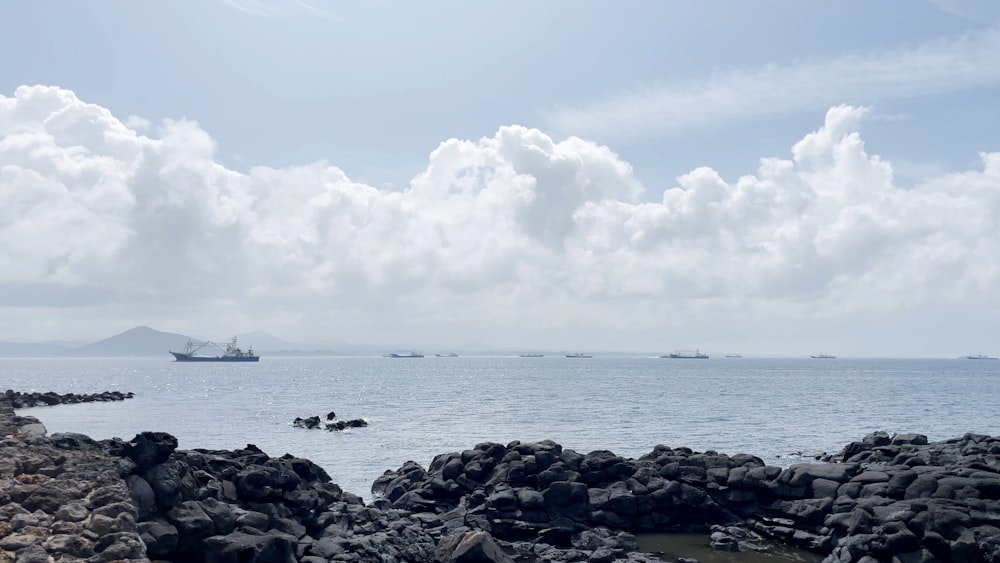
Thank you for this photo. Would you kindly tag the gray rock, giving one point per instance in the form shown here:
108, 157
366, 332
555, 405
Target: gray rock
72, 512
67, 544
191, 522
909, 438
159, 536
240, 547
33, 553
470, 547
142, 495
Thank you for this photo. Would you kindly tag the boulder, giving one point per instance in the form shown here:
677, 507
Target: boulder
150, 448
470, 547
241, 547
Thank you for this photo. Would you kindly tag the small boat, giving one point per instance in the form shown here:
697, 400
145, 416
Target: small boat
531, 355
578, 355
446, 355
410, 354
231, 353
734, 355
823, 357
687, 355
978, 357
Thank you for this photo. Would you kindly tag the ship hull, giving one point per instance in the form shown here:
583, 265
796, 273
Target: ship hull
683, 357
181, 357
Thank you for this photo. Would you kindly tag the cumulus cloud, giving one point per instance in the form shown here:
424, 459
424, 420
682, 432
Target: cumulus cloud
138, 222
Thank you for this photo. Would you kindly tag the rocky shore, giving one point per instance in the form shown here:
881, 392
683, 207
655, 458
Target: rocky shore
885, 498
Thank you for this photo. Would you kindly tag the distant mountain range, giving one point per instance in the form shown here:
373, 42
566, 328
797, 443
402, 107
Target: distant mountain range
145, 341
138, 341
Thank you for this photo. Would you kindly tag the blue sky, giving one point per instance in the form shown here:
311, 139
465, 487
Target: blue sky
373, 87
644, 94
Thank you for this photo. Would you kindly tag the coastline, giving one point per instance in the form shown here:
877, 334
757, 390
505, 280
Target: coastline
69, 496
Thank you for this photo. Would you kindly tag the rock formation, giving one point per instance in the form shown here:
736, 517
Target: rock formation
884, 498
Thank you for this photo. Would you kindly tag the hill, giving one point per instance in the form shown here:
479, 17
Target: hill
264, 342
138, 341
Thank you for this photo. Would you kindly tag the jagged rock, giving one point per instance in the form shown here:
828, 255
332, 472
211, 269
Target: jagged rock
160, 537
894, 497
345, 424
240, 547
311, 422
150, 448
470, 547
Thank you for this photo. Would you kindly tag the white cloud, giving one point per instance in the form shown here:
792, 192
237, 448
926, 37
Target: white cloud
516, 234
945, 65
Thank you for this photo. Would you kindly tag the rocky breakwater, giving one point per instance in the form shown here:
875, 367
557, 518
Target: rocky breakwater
21, 400
882, 499
61, 498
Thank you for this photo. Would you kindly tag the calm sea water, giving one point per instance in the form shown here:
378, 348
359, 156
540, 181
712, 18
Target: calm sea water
418, 408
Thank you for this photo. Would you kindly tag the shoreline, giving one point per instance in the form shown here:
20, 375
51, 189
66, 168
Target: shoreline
881, 497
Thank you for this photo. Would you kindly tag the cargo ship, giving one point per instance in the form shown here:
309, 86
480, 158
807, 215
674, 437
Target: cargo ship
687, 355
410, 354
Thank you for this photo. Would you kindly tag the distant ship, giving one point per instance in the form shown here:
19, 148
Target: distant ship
823, 357
231, 353
687, 355
578, 355
978, 357
410, 354
531, 355
447, 355
734, 355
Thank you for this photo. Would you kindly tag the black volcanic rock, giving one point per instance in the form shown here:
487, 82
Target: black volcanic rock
896, 498
150, 448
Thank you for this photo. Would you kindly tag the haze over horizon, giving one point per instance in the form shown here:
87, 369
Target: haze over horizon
764, 178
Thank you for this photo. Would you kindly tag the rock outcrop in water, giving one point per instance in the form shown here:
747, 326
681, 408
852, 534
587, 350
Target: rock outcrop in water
24, 400
313, 422
885, 498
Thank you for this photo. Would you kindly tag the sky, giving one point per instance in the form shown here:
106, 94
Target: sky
772, 177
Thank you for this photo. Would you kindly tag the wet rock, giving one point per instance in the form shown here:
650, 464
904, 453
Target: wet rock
345, 424
311, 422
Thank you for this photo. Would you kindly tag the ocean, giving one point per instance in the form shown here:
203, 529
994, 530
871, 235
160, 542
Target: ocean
783, 410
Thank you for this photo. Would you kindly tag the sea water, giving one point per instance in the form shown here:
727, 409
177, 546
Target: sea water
783, 410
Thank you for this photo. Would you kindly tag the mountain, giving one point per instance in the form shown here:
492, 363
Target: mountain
264, 342
138, 341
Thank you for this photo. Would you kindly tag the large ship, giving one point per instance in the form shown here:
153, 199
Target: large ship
978, 357
823, 357
687, 355
578, 355
231, 353
410, 354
